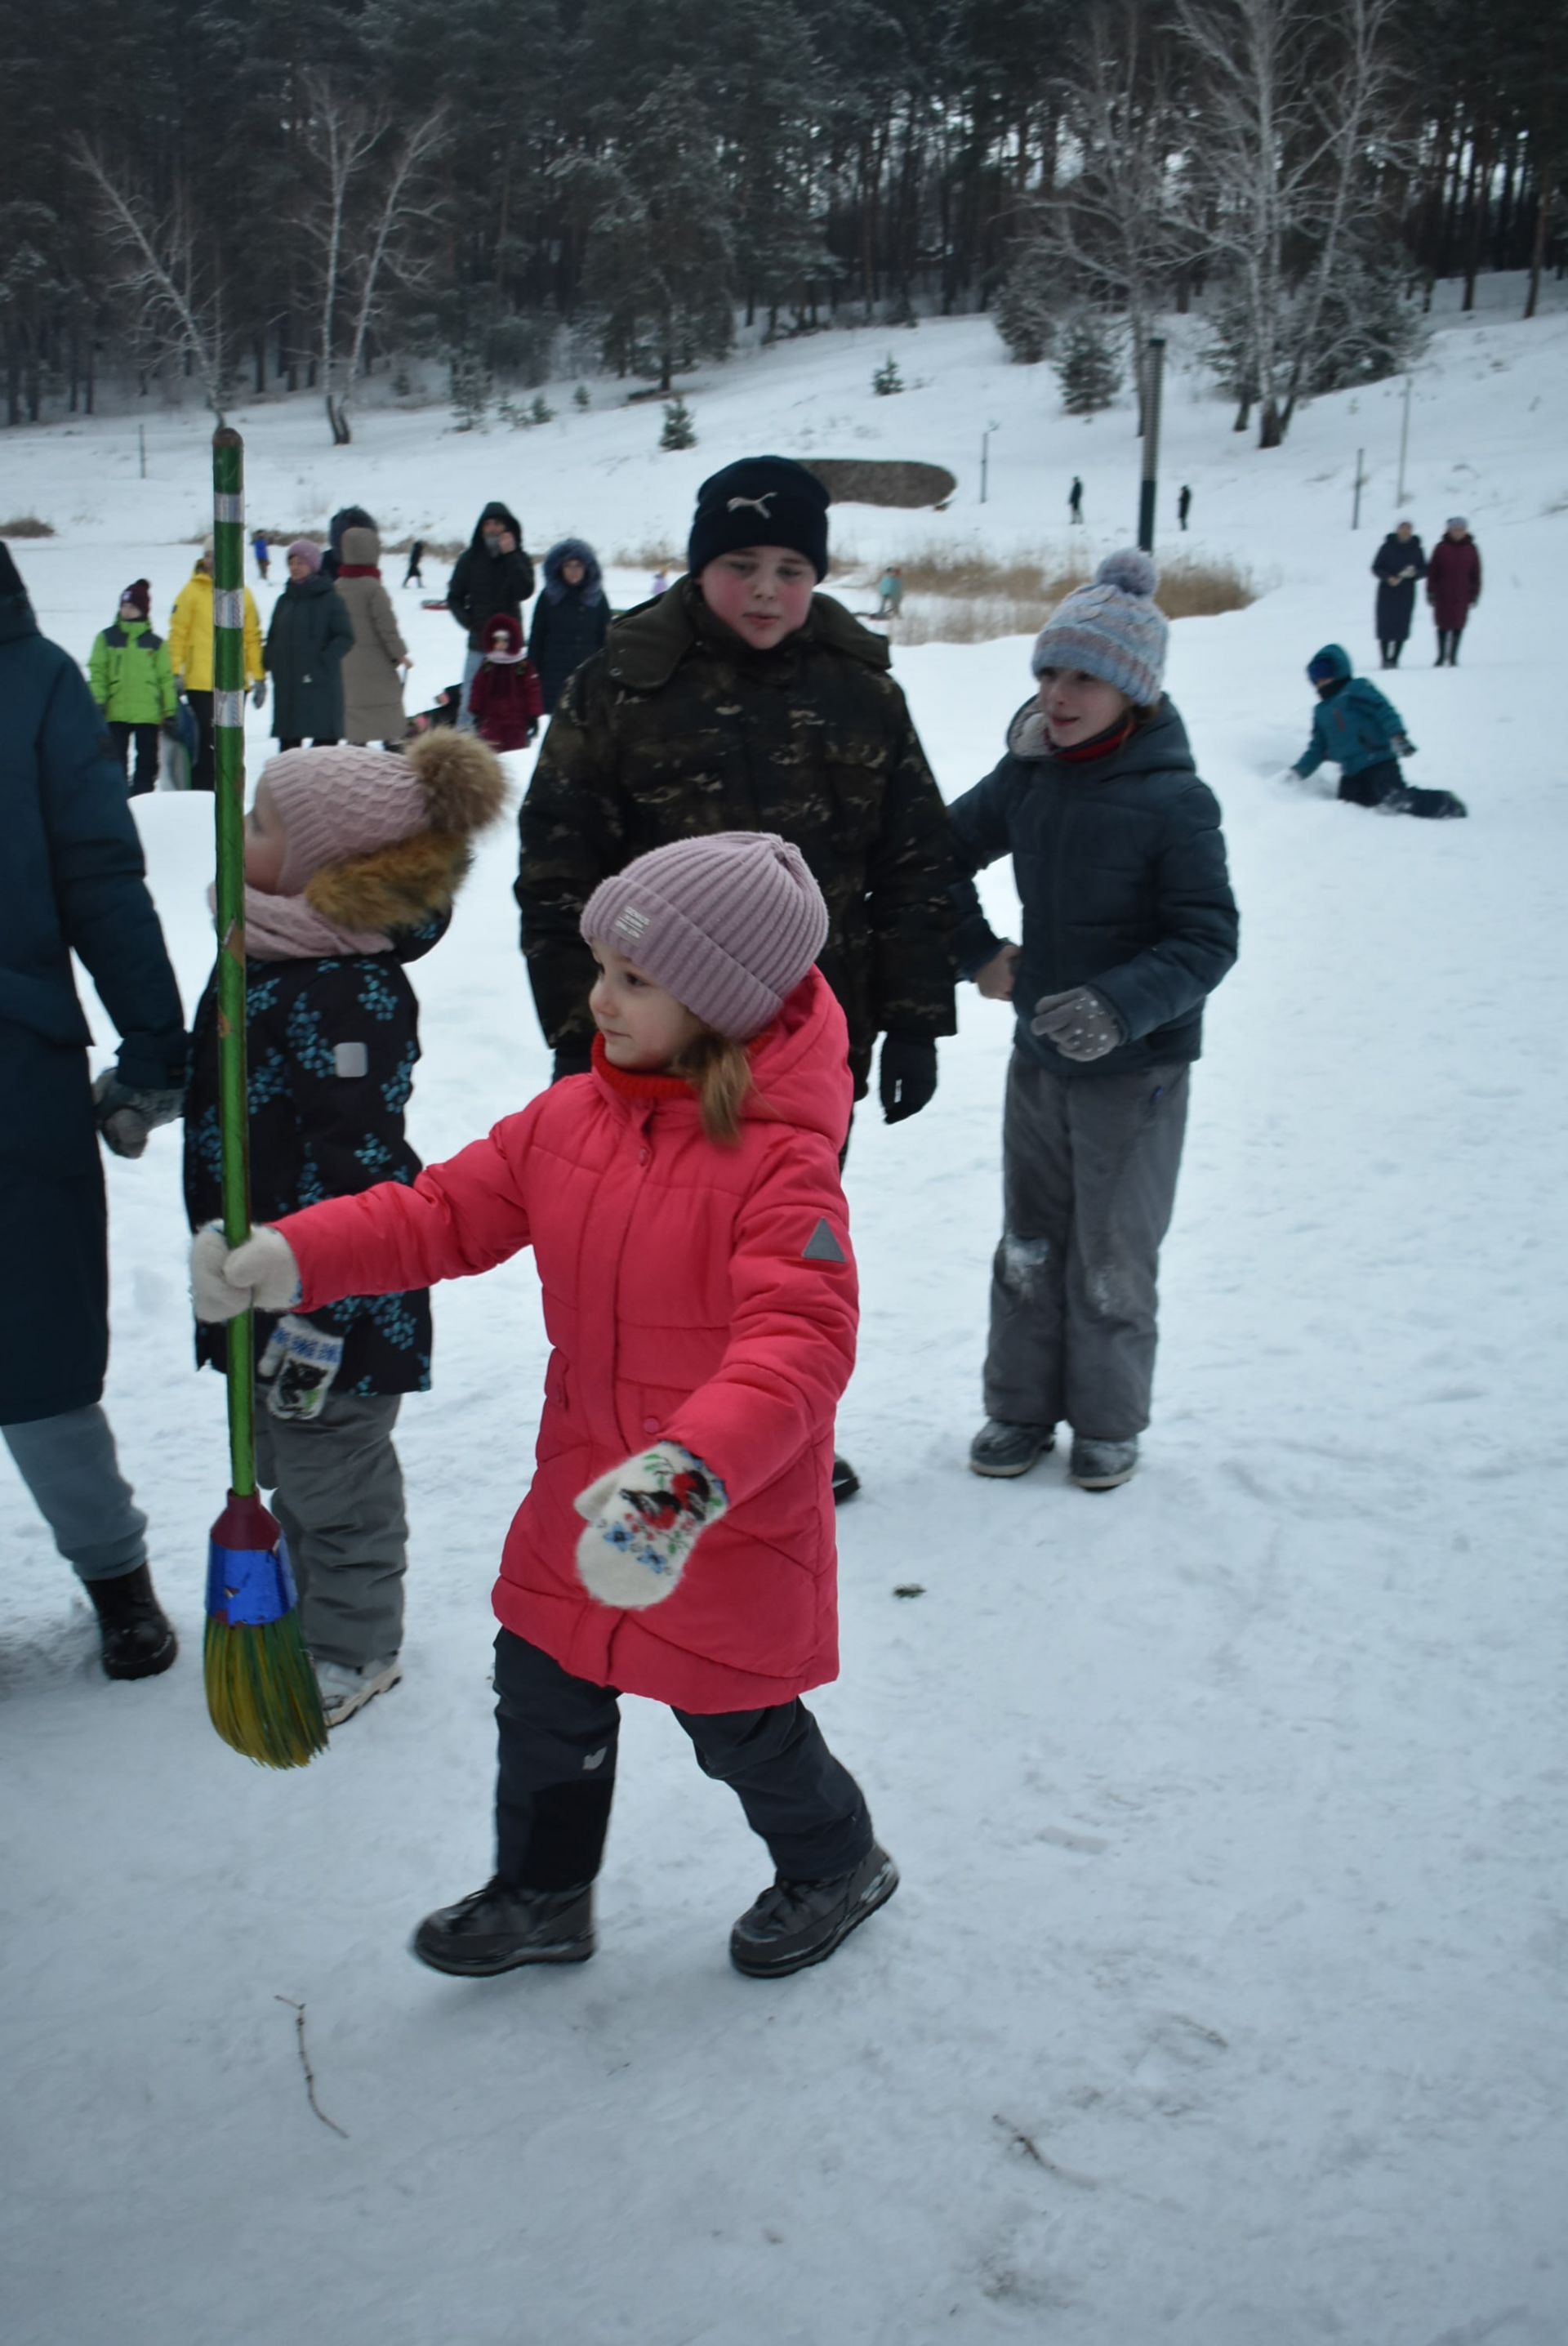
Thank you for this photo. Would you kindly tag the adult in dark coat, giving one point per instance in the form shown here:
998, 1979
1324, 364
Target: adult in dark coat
347, 517
1397, 565
1453, 586
571, 617
310, 635
72, 880
493, 576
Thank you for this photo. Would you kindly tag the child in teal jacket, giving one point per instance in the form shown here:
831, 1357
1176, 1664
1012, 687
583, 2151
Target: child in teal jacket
1356, 728
131, 681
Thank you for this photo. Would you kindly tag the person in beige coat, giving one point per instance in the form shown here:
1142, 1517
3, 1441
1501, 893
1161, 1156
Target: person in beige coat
373, 686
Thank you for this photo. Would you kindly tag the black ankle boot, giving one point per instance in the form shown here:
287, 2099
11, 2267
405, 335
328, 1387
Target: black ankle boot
137, 1640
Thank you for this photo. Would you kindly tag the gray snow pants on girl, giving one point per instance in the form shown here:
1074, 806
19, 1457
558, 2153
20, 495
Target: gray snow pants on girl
1089, 1175
337, 1490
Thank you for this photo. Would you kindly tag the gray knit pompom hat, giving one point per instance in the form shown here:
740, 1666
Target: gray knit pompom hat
730, 925
1114, 629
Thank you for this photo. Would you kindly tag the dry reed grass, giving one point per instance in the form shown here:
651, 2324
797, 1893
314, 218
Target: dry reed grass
959, 595
26, 525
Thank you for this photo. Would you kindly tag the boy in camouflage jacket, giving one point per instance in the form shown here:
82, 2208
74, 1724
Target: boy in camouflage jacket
740, 699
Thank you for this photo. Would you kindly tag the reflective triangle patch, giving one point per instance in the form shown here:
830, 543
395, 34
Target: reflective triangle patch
822, 1247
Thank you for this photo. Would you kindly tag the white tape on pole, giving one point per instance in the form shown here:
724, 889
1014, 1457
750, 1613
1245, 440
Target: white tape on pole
228, 606
227, 508
228, 707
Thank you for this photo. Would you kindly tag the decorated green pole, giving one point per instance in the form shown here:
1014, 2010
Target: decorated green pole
261, 1690
228, 767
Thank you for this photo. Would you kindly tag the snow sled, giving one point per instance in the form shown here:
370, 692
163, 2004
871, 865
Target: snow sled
437, 603
178, 744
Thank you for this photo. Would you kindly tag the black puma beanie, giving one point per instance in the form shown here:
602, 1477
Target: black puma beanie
760, 501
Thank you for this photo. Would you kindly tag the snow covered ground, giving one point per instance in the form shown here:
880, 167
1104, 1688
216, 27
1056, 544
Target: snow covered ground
1224, 1999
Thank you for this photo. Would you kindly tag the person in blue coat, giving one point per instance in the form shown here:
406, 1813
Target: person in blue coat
1397, 563
72, 880
571, 617
1129, 924
1355, 728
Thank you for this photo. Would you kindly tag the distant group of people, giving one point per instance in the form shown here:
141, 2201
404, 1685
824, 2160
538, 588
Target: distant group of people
1075, 503
1453, 576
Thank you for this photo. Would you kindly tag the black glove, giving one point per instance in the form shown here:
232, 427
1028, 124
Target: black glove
908, 1077
571, 1059
124, 1117
1081, 1023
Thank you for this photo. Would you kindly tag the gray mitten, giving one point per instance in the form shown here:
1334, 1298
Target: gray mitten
1081, 1023
1402, 745
125, 1114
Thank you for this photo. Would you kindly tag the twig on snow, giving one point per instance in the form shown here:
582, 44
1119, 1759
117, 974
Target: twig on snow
298, 2012
1026, 2142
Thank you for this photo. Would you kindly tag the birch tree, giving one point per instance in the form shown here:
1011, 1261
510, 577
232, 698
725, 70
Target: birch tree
157, 266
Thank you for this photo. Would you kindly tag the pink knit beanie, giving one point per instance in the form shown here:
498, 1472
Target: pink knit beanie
729, 924
308, 551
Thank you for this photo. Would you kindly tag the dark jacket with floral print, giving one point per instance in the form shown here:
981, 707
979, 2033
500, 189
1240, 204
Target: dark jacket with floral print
332, 1048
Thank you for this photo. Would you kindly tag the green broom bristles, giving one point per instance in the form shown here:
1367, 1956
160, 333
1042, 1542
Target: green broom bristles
261, 1692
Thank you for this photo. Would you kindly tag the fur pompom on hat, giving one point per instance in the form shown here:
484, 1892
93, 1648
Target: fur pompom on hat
384, 832
307, 551
1113, 630
760, 501
730, 925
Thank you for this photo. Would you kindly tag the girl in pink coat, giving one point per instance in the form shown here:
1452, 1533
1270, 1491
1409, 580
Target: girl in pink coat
684, 1207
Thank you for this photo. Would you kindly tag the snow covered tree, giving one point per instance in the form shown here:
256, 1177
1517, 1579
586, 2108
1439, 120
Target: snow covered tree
1030, 302
679, 431
1086, 365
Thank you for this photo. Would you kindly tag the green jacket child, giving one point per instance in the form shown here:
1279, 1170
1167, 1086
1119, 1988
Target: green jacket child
128, 671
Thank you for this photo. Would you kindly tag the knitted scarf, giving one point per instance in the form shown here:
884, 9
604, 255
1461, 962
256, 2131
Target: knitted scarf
289, 928
358, 570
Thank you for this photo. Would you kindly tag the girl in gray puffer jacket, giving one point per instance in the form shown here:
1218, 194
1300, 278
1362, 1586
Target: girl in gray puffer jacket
1129, 924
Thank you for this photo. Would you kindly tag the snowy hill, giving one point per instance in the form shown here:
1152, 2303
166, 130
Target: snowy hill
1222, 2000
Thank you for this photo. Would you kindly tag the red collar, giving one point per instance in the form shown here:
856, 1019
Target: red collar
358, 570
638, 1090
1104, 745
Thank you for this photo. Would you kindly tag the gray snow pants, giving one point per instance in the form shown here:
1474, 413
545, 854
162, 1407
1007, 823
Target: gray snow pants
69, 1464
1089, 1176
337, 1491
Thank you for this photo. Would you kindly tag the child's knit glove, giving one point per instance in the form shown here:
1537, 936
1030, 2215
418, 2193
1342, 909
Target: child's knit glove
644, 1521
260, 1276
1402, 746
298, 1364
1081, 1023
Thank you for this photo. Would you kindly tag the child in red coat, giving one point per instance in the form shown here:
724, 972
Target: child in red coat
684, 1204
505, 698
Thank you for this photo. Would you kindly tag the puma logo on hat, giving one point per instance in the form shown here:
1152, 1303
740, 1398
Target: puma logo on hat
759, 505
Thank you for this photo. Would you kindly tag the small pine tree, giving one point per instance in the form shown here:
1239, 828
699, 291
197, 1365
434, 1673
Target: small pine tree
1086, 365
679, 432
582, 397
471, 389
887, 378
1027, 307
540, 410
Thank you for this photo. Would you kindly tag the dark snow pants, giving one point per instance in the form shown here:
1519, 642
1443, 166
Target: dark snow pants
145, 737
1384, 786
1089, 1175
202, 772
556, 1776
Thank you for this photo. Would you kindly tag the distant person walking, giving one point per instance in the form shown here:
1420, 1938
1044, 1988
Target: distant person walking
890, 587
307, 643
1397, 565
1075, 499
263, 553
190, 656
1453, 586
493, 576
1184, 504
131, 681
413, 575
571, 617
375, 663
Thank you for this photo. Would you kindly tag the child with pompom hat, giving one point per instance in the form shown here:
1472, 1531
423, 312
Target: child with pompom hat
1129, 924
353, 858
683, 1203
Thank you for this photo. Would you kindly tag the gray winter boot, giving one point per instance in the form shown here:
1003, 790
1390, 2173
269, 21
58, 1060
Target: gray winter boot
1101, 1466
1002, 1449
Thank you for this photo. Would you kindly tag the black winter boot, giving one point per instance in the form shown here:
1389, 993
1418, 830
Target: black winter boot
500, 1927
137, 1639
845, 1482
794, 1923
